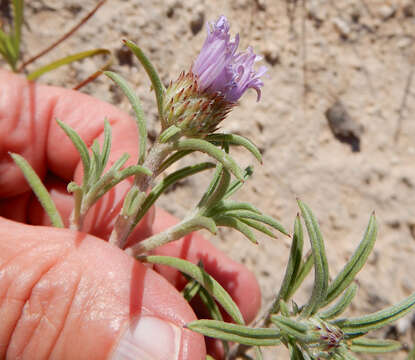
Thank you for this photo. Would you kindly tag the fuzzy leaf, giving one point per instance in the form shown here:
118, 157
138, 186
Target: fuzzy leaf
39, 189
236, 224
232, 139
258, 217
378, 319
321, 272
236, 333
80, 146
305, 269
338, 308
201, 276
236, 184
206, 147
151, 72
355, 264
138, 110
366, 345
168, 181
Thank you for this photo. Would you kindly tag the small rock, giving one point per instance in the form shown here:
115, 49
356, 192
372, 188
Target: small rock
343, 127
342, 27
197, 22
386, 12
409, 9
405, 42
272, 56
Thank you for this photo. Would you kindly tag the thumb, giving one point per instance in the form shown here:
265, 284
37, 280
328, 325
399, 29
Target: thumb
69, 295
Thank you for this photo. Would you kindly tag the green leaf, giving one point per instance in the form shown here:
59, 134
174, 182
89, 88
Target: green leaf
378, 319
173, 158
236, 333
169, 133
80, 146
106, 147
321, 272
190, 290
293, 266
338, 308
201, 276
366, 345
236, 184
232, 139
234, 223
305, 269
65, 61
355, 264
168, 181
258, 217
151, 72
212, 185
218, 191
294, 328
138, 110
229, 205
39, 189
206, 147
258, 226
17, 6
173, 233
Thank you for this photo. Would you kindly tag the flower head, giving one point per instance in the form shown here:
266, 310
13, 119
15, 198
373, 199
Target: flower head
219, 68
200, 99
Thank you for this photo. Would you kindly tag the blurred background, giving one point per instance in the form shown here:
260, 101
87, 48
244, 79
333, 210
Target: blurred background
335, 123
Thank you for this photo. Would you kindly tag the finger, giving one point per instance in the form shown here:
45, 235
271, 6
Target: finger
237, 280
27, 113
68, 295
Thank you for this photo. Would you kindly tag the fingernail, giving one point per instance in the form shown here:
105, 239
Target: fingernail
149, 338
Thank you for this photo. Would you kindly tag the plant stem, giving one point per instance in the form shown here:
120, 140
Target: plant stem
124, 224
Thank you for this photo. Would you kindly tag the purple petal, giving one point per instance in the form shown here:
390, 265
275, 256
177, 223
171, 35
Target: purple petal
221, 70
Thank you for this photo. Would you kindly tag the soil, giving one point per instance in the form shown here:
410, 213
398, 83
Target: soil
335, 122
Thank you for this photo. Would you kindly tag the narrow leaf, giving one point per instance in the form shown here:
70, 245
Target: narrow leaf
173, 158
366, 345
236, 184
151, 72
190, 290
168, 181
39, 189
106, 147
232, 139
338, 308
355, 264
17, 6
201, 276
174, 233
293, 266
80, 146
258, 226
305, 269
258, 217
138, 110
169, 133
236, 224
65, 61
236, 333
321, 273
377, 319
206, 147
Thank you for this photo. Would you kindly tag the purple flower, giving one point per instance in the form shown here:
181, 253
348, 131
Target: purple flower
220, 69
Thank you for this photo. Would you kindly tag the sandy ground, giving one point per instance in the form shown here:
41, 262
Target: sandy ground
359, 53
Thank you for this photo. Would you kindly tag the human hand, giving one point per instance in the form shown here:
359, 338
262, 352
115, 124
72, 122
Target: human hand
66, 294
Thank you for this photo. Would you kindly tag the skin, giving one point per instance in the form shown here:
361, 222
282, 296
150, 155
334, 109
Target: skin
67, 294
